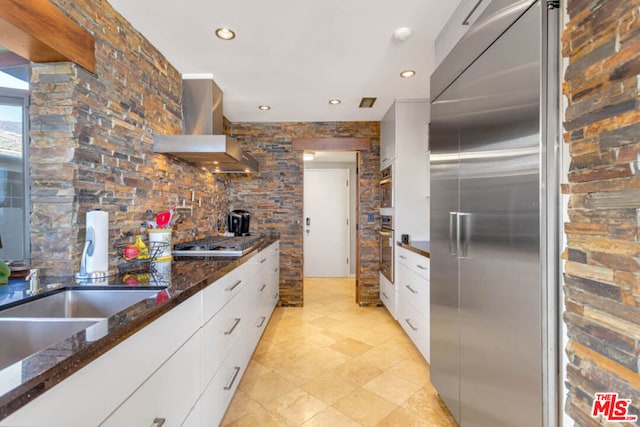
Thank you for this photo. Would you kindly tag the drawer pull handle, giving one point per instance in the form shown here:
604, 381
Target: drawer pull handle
262, 260
411, 289
235, 285
229, 385
236, 321
410, 325
264, 285
421, 267
276, 269
385, 295
402, 256
158, 422
275, 296
262, 320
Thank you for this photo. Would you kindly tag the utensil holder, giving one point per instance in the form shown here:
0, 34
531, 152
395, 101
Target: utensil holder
160, 244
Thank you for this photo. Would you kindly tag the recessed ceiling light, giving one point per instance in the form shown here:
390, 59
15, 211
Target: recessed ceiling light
407, 73
334, 101
308, 155
402, 33
225, 33
264, 107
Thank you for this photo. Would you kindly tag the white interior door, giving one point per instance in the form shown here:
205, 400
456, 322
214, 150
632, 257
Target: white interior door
326, 227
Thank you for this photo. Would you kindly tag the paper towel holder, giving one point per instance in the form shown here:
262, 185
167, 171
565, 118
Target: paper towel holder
91, 243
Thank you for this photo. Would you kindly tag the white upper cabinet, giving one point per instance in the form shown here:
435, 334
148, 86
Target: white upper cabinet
404, 138
388, 138
463, 17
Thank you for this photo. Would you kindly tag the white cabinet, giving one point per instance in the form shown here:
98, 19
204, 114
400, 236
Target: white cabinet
406, 125
462, 18
182, 369
388, 295
412, 284
230, 344
167, 395
388, 138
220, 334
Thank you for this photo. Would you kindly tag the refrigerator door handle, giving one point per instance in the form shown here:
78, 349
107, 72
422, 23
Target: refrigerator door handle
464, 235
453, 231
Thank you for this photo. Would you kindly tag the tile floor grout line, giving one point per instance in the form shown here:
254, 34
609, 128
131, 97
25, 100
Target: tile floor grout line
333, 363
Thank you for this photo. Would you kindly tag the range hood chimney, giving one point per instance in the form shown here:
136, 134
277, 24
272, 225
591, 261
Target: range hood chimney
204, 143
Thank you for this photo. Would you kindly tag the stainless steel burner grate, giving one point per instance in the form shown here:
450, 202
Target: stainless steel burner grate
217, 246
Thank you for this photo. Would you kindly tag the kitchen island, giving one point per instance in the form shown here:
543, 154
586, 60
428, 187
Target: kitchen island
198, 291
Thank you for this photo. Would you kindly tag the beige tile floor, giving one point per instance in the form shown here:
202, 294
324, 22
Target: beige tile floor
332, 363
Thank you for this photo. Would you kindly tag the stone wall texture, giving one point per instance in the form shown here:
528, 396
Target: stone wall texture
275, 199
602, 257
91, 145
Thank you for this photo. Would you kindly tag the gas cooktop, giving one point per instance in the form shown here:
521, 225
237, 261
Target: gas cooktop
217, 246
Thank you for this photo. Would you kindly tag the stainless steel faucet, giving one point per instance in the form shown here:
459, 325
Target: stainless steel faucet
34, 281
88, 251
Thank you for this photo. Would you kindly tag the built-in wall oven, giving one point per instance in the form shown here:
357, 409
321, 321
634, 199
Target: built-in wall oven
386, 247
386, 187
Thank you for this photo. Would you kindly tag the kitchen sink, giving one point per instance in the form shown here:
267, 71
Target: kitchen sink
74, 303
23, 337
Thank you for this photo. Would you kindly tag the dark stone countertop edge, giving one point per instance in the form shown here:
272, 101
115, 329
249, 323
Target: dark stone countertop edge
419, 247
42, 382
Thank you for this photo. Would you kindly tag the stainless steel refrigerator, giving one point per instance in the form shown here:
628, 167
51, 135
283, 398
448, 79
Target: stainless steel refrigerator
494, 222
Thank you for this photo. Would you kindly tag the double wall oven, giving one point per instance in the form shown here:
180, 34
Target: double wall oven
386, 247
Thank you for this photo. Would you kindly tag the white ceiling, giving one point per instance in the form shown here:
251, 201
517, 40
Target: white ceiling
295, 55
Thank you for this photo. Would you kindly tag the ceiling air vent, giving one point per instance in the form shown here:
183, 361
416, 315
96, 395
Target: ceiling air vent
367, 102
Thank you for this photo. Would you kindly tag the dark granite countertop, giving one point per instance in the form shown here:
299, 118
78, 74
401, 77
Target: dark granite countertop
420, 247
43, 370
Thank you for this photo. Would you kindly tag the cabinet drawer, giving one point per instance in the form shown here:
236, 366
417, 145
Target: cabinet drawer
222, 290
388, 295
221, 333
416, 326
419, 264
413, 289
168, 394
216, 397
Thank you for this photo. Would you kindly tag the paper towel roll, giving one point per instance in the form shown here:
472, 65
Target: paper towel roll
99, 261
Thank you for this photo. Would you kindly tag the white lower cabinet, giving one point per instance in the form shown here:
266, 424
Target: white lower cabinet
167, 396
388, 295
180, 370
217, 395
412, 283
416, 326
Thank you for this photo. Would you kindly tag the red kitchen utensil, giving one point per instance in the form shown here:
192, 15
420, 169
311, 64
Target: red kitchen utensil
162, 219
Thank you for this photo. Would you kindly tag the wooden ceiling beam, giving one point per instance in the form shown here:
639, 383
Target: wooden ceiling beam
40, 32
332, 144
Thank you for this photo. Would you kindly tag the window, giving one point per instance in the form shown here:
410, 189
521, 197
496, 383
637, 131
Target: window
14, 143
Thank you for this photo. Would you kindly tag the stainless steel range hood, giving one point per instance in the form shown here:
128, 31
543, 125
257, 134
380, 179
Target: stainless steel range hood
204, 143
